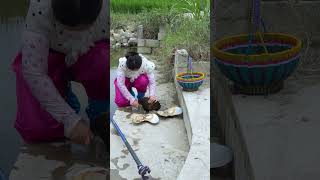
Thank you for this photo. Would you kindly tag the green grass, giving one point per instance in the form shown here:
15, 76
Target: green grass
122, 20
136, 6
192, 35
13, 8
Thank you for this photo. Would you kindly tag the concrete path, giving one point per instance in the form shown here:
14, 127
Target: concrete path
163, 147
282, 131
196, 107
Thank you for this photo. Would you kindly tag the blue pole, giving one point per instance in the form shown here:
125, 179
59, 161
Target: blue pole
142, 170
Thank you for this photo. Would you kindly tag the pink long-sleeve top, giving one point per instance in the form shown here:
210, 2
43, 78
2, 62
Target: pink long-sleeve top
42, 32
147, 67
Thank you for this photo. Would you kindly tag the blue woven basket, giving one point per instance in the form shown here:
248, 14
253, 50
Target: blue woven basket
190, 82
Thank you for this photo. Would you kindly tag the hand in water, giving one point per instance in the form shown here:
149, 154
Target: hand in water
81, 133
152, 99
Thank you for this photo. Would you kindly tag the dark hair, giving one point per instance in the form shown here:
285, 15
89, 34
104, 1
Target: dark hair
76, 12
134, 60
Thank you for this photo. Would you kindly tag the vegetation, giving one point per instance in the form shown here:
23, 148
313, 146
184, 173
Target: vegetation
192, 35
137, 6
187, 24
13, 8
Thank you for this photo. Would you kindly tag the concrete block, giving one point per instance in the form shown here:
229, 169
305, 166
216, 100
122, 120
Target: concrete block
141, 42
152, 43
144, 50
161, 35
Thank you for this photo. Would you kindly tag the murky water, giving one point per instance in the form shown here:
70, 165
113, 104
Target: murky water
10, 33
112, 93
9, 138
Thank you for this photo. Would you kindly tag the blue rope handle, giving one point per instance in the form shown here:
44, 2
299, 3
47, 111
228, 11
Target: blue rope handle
189, 64
256, 23
263, 25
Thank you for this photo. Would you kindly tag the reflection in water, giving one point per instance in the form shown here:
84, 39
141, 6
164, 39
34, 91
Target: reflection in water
10, 34
63, 153
112, 92
114, 57
9, 139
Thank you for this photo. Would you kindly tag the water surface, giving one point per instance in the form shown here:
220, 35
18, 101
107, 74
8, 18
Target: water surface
9, 138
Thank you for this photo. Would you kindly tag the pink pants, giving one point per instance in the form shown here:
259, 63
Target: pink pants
91, 70
141, 84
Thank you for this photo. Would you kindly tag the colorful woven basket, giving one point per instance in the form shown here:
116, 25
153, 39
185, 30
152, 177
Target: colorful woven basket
190, 81
253, 70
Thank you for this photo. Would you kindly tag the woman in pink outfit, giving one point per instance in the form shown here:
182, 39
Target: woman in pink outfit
134, 71
62, 41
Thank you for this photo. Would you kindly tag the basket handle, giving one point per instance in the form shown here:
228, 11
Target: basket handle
189, 66
262, 41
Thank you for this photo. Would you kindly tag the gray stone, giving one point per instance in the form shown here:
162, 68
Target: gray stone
144, 50
152, 43
162, 32
116, 37
141, 42
140, 32
133, 41
118, 45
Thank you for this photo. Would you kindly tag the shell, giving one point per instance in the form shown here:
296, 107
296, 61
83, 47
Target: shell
139, 118
173, 111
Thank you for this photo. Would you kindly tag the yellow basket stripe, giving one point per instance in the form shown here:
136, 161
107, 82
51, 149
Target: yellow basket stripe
179, 78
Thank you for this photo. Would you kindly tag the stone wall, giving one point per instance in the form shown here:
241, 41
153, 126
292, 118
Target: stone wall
146, 46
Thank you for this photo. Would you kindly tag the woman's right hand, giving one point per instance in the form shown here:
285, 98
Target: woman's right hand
81, 133
135, 104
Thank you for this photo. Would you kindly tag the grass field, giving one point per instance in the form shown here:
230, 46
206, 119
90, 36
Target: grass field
13, 8
136, 6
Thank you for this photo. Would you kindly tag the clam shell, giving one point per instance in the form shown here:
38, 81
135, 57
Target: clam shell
139, 118
174, 111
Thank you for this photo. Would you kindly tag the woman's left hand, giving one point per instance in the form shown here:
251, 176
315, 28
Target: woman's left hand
152, 99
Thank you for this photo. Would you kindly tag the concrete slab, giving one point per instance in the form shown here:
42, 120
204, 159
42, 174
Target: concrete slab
197, 165
281, 131
196, 107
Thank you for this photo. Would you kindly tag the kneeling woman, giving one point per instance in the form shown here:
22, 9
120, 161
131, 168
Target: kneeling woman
134, 71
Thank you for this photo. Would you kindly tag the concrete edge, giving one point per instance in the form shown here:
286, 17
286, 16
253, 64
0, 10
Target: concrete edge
197, 164
231, 127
